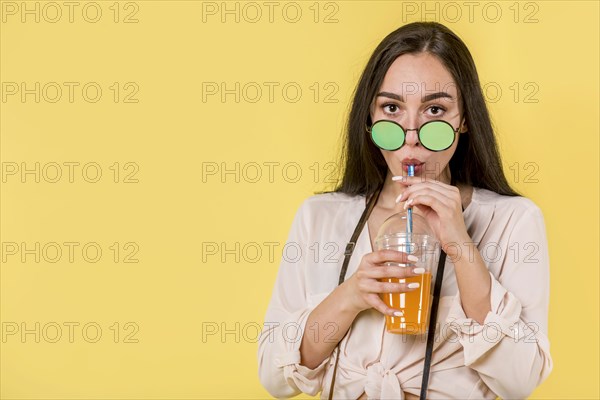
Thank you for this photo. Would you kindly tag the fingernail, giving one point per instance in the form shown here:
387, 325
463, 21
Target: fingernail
408, 203
413, 285
398, 178
398, 313
398, 198
412, 258
419, 270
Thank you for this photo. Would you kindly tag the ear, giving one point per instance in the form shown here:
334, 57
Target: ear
464, 128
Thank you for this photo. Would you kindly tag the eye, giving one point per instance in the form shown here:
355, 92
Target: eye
391, 109
436, 111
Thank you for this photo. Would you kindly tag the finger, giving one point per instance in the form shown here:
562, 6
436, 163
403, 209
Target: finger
441, 208
425, 189
374, 286
439, 186
383, 256
444, 198
450, 193
392, 272
376, 302
414, 180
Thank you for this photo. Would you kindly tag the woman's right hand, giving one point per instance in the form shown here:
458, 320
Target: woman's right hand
364, 286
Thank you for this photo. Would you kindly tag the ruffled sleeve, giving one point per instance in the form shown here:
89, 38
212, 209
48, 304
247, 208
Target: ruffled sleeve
279, 366
510, 350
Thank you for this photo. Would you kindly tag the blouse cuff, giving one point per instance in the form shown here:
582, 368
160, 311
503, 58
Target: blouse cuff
477, 338
305, 379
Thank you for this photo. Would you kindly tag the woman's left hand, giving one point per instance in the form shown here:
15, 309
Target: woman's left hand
440, 204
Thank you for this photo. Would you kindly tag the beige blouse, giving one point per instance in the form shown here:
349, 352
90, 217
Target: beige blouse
507, 356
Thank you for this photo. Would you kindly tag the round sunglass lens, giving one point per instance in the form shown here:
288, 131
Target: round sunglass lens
387, 135
437, 135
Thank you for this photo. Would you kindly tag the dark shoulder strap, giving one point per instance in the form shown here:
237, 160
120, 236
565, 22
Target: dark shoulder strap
439, 276
359, 227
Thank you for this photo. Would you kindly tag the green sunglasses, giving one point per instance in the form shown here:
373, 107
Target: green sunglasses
433, 135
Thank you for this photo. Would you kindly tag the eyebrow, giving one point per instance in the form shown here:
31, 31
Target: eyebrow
424, 99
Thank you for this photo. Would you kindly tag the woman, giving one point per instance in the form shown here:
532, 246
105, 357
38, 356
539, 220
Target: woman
491, 337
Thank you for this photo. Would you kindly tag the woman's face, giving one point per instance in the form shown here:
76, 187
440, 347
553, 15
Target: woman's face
417, 88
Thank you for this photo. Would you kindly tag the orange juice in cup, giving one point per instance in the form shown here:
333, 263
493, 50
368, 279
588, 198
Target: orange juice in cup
413, 306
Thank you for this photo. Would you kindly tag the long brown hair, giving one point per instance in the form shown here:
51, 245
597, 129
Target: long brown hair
476, 160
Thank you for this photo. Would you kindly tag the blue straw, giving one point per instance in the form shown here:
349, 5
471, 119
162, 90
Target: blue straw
409, 225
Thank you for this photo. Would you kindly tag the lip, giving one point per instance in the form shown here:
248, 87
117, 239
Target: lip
412, 161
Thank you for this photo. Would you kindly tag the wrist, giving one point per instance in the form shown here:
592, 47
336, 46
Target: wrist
458, 248
347, 300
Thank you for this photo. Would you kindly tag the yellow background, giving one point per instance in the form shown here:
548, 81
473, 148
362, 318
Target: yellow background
174, 213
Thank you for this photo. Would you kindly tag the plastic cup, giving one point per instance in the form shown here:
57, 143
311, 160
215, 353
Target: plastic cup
414, 306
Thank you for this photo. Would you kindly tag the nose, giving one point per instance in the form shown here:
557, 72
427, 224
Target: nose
410, 125
412, 138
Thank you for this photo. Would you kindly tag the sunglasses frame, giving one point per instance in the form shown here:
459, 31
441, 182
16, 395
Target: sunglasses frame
370, 130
